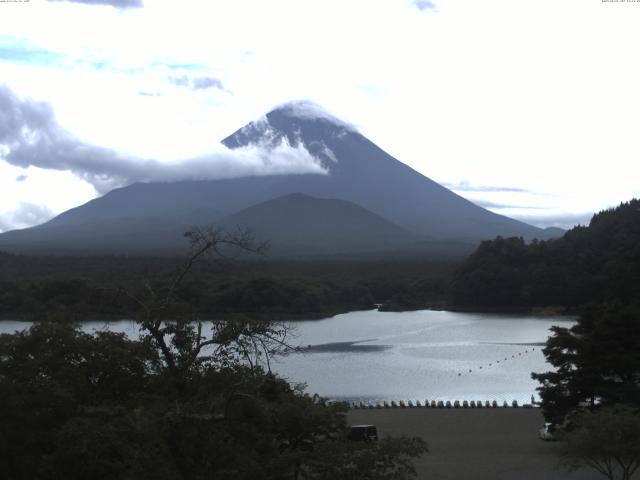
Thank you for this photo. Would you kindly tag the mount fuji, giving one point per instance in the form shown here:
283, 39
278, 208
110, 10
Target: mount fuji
364, 200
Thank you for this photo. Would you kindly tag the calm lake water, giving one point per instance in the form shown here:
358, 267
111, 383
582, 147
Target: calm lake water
373, 356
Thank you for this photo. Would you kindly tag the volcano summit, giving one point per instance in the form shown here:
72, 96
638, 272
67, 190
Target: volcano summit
385, 204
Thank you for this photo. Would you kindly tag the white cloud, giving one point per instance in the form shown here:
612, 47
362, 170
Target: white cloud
48, 190
424, 5
311, 110
31, 137
538, 96
25, 215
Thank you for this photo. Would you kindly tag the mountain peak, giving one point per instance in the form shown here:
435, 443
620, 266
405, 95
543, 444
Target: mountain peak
300, 122
308, 110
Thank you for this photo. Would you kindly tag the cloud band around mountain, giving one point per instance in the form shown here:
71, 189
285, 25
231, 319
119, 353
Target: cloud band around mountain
504, 206
466, 187
30, 136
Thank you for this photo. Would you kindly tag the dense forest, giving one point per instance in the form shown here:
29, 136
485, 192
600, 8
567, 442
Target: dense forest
79, 288
587, 265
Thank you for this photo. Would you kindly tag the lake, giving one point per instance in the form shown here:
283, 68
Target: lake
374, 356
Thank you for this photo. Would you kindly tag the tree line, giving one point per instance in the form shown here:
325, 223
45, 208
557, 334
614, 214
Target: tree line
589, 264
80, 288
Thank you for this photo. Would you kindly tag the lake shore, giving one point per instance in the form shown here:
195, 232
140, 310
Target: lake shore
277, 317
478, 444
372, 356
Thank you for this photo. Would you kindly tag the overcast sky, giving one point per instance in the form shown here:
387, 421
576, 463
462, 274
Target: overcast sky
530, 108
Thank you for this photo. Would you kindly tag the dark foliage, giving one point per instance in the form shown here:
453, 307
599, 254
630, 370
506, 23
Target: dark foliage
427, 292
79, 406
588, 264
76, 288
47, 376
607, 440
597, 362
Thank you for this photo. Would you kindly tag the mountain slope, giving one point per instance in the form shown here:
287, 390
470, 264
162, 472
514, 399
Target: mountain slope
300, 223
357, 171
361, 172
128, 234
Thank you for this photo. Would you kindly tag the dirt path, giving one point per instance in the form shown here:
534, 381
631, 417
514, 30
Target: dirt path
475, 444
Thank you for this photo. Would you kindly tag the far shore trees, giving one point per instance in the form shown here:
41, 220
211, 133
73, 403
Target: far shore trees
592, 264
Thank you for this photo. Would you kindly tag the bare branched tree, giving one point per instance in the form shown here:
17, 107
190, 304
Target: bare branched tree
177, 332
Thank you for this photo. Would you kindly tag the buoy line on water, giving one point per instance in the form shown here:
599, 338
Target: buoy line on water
478, 404
514, 356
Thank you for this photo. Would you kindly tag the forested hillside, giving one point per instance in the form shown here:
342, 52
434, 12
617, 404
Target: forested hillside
80, 288
587, 265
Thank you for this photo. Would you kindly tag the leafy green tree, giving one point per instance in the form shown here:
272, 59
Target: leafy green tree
47, 374
597, 361
607, 440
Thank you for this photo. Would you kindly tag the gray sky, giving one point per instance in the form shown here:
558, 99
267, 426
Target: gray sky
528, 108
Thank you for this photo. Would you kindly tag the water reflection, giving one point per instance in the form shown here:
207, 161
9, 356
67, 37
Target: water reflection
408, 355
352, 347
421, 355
